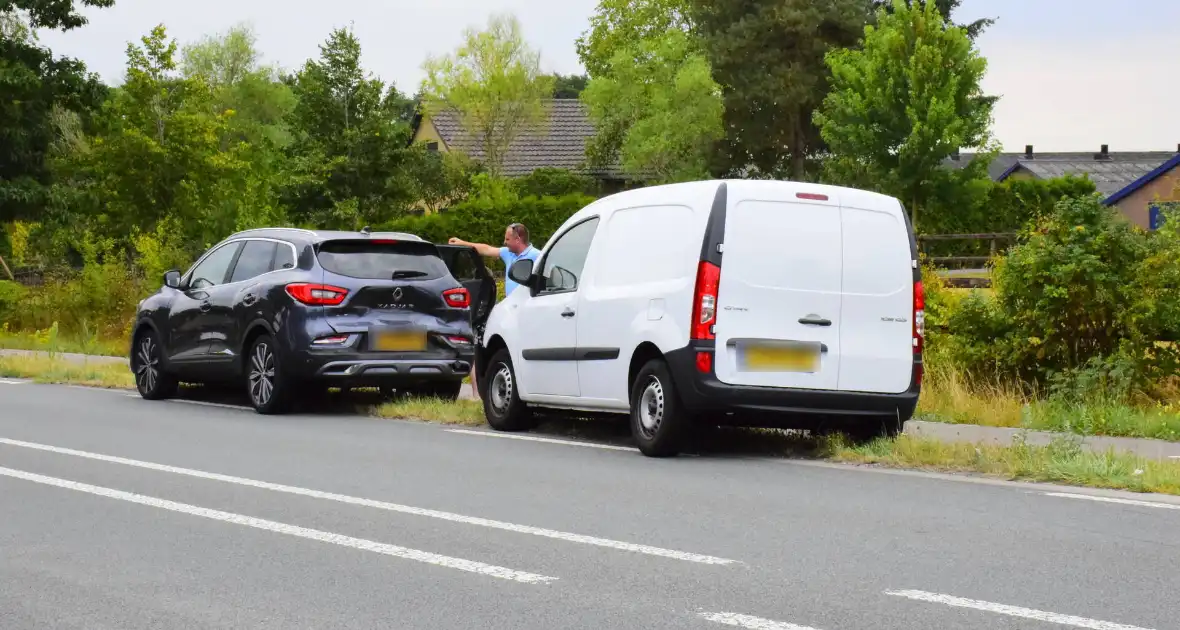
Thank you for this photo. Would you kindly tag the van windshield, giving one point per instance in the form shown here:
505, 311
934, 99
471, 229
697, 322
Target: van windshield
373, 260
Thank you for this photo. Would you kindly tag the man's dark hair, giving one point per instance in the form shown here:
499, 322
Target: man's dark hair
520, 231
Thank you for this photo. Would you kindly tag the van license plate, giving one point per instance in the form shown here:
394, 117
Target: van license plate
781, 358
398, 340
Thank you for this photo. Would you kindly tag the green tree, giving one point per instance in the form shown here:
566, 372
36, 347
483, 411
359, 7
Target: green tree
657, 110
569, 86
902, 104
621, 24
36, 87
231, 65
768, 56
495, 85
349, 158
945, 8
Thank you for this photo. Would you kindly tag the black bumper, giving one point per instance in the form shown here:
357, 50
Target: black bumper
773, 407
377, 369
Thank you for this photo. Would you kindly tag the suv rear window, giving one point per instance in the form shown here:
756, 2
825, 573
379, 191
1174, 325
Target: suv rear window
409, 260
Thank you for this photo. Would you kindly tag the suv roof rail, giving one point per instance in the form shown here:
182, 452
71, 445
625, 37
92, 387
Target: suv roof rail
273, 229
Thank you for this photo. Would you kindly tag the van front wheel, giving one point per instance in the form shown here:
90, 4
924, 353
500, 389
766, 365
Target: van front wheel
659, 421
502, 406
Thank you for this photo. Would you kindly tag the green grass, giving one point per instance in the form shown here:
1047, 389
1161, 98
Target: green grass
464, 412
44, 369
51, 340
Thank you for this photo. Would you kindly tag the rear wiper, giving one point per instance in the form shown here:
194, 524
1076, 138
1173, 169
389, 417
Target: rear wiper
399, 275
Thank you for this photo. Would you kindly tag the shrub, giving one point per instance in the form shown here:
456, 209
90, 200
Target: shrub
1083, 296
11, 296
554, 182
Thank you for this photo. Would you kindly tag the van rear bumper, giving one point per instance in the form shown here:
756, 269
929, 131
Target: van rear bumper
743, 405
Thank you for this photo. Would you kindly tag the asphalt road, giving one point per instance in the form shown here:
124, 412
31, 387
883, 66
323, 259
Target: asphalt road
121, 513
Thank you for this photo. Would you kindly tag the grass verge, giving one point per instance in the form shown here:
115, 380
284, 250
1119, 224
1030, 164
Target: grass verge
50, 340
44, 369
1064, 461
464, 412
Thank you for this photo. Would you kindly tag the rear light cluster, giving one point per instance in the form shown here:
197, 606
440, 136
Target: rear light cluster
704, 302
919, 317
457, 298
332, 340
316, 294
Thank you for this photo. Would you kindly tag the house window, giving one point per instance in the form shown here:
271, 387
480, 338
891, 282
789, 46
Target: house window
432, 146
1157, 212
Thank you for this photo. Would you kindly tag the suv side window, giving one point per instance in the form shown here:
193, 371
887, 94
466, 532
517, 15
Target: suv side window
254, 260
284, 257
564, 261
212, 271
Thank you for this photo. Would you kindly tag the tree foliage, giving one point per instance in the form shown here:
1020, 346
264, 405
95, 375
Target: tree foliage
495, 85
768, 56
902, 104
946, 9
620, 24
658, 111
569, 86
58, 15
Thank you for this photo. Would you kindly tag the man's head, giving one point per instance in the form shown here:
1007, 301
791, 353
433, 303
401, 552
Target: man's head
516, 238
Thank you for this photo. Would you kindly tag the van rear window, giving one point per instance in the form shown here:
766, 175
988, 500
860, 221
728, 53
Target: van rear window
408, 260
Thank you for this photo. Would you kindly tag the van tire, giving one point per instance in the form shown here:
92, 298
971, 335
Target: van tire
659, 422
502, 406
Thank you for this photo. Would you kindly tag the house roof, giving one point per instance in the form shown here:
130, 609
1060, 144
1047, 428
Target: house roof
1110, 174
1146, 179
557, 142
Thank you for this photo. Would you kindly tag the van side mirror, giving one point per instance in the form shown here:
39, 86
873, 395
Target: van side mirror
172, 279
521, 271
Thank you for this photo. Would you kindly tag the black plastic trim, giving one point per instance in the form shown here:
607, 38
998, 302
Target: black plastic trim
715, 228
598, 354
550, 354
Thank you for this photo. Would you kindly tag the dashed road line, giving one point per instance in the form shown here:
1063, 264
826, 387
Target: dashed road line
1012, 611
1135, 502
533, 438
290, 530
382, 505
6, 382
748, 621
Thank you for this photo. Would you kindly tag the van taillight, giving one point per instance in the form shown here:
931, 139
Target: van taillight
919, 317
704, 302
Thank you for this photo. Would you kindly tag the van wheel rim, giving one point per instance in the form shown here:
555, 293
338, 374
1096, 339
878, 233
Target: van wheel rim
651, 407
262, 374
501, 390
147, 371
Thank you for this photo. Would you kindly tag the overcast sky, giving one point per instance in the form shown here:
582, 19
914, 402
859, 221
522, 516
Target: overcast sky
1073, 74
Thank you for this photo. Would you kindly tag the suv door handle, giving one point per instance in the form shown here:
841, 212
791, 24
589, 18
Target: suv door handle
568, 312
206, 305
814, 321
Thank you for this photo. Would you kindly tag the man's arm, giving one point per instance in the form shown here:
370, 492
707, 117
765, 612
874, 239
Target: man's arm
481, 248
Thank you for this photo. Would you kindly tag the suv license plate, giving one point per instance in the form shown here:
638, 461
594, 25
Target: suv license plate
398, 341
795, 357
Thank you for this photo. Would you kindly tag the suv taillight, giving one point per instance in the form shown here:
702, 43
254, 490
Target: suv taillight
457, 298
704, 301
316, 294
919, 317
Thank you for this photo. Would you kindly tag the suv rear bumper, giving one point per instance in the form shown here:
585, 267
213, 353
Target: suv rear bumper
743, 405
368, 369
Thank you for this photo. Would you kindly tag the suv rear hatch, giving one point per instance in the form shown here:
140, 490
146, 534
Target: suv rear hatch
400, 294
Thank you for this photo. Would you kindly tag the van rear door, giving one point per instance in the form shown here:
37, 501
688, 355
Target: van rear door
876, 329
778, 303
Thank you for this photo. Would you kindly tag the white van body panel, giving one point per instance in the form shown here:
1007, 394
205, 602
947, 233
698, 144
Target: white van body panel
876, 327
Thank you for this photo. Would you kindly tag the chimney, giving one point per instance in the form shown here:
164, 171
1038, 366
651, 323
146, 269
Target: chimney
955, 155
1028, 151
1104, 154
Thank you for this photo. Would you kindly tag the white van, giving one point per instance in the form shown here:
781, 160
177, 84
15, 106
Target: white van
747, 303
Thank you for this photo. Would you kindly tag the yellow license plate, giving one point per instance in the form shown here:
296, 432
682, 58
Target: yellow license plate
780, 358
399, 341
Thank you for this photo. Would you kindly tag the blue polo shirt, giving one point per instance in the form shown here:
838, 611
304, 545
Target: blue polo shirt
508, 257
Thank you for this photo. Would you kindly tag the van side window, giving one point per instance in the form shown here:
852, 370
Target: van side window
564, 261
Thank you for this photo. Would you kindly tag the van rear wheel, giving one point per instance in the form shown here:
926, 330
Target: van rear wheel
502, 406
659, 422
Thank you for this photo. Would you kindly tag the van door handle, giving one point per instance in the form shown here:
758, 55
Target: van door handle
206, 306
249, 299
568, 312
815, 321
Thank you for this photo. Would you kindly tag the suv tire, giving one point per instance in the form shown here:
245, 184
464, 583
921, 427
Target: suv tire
147, 365
502, 405
269, 389
659, 422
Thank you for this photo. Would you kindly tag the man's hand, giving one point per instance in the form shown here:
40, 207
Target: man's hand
455, 241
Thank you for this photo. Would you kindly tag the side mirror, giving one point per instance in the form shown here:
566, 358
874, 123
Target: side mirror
521, 271
172, 279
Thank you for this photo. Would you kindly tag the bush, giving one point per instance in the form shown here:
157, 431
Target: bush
554, 182
1083, 298
11, 296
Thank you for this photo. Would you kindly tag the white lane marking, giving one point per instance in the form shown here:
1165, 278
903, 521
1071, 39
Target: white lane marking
291, 530
2, 382
531, 438
1150, 504
202, 403
1012, 611
382, 505
747, 621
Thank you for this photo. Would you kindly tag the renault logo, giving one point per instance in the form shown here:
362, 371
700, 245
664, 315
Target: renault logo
397, 294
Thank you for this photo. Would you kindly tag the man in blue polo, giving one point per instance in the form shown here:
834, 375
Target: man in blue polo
516, 247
